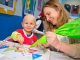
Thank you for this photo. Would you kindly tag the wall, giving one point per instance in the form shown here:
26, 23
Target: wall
37, 12
8, 24
71, 2
19, 8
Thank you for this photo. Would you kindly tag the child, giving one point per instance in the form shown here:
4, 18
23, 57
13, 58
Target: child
25, 35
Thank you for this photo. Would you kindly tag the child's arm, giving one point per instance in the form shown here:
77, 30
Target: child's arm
17, 37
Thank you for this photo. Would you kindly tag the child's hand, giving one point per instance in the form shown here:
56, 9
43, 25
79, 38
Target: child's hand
20, 39
17, 37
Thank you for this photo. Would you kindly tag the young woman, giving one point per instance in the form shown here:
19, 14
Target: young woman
55, 16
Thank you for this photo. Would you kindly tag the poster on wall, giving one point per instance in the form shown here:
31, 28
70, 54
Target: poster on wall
75, 10
40, 4
29, 7
8, 6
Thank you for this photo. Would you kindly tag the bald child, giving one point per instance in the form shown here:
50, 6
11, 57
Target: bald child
25, 35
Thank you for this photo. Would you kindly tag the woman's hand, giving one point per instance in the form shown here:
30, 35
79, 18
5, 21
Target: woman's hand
41, 46
51, 39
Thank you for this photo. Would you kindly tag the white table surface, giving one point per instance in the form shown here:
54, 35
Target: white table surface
59, 56
53, 56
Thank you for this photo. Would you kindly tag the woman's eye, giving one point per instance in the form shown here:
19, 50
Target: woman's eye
31, 23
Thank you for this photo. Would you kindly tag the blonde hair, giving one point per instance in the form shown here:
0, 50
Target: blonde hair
63, 18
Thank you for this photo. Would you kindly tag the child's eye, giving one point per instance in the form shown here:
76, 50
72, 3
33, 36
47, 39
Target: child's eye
26, 23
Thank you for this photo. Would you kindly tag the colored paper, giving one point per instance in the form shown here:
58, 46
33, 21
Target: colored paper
34, 56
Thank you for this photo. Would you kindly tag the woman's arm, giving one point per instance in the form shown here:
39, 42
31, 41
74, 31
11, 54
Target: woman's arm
72, 50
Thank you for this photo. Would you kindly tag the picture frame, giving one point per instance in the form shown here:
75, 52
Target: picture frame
8, 6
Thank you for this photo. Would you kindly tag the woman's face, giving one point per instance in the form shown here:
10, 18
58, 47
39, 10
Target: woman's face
51, 15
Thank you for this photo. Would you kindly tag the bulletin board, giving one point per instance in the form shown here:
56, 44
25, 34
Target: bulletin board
8, 6
29, 7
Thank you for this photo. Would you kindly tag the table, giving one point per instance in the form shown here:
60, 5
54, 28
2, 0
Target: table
59, 56
15, 51
49, 55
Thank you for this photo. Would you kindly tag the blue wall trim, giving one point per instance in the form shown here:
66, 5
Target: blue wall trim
8, 24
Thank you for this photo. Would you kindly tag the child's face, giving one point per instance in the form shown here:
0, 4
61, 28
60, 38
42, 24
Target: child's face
28, 24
